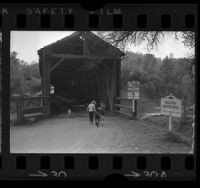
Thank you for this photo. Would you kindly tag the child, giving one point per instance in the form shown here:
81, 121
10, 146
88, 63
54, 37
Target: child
91, 110
97, 116
102, 110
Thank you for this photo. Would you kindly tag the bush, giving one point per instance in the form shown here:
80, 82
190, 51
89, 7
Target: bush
146, 105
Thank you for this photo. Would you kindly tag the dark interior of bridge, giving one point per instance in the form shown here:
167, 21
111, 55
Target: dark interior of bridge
74, 84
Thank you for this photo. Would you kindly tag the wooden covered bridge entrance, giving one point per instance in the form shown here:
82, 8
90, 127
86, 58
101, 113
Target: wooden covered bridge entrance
80, 67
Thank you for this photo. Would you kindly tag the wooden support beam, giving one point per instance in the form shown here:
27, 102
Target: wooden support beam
113, 83
71, 56
123, 98
48, 82
118, 77
58, 63
45, 82
84, 44
42, 59
118, 80
124, 113
32, 110
123, 106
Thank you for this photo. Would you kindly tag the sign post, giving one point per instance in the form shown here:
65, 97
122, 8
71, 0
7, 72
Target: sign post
133, 93
171, 106
136, 85
170, 122
133, 105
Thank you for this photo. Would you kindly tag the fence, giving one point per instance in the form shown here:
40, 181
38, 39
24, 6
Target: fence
29, 105
123, 106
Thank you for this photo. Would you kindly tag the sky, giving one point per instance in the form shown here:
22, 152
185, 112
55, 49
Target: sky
26, 44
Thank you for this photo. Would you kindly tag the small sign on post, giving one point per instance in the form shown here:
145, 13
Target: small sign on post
133, 93
130, 90
136, 86
133, 88
171, 106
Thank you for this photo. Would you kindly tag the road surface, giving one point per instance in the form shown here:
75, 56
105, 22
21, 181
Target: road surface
75, 135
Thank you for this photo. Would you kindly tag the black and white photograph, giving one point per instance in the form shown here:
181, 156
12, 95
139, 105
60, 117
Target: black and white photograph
102, 92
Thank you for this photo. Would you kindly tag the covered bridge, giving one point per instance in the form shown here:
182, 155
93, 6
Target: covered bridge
81, 67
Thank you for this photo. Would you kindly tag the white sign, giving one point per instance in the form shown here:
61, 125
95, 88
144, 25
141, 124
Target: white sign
136, 86
130, 90
171, 106
133, 88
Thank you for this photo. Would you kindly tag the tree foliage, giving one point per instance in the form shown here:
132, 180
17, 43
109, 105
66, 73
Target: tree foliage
158, 77
122, 38
152, 39
20, 72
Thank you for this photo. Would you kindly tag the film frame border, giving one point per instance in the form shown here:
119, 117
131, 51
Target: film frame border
92, 163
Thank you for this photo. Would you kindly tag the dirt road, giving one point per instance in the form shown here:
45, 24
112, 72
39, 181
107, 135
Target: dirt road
75, 135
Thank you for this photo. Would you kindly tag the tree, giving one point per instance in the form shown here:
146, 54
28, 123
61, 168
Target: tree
166, 73
16, 74
143, 68
152, 38
31, 70
122, 38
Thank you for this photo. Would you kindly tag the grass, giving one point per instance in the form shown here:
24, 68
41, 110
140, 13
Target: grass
181, 133
146, 105
174, 137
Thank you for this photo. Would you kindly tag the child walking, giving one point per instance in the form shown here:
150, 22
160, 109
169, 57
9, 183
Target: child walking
91, 110
97, 116
102, 110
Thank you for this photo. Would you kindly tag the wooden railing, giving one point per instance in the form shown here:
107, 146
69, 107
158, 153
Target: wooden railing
29, 105
123, 106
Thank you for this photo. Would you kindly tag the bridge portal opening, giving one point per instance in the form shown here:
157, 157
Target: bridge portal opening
81, 67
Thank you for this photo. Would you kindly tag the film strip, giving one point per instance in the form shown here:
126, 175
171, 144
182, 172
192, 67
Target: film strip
88, 165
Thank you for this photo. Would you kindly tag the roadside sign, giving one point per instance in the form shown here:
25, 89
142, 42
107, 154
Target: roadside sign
130, 85
130, 90
136, 86
133, 87
171, 106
